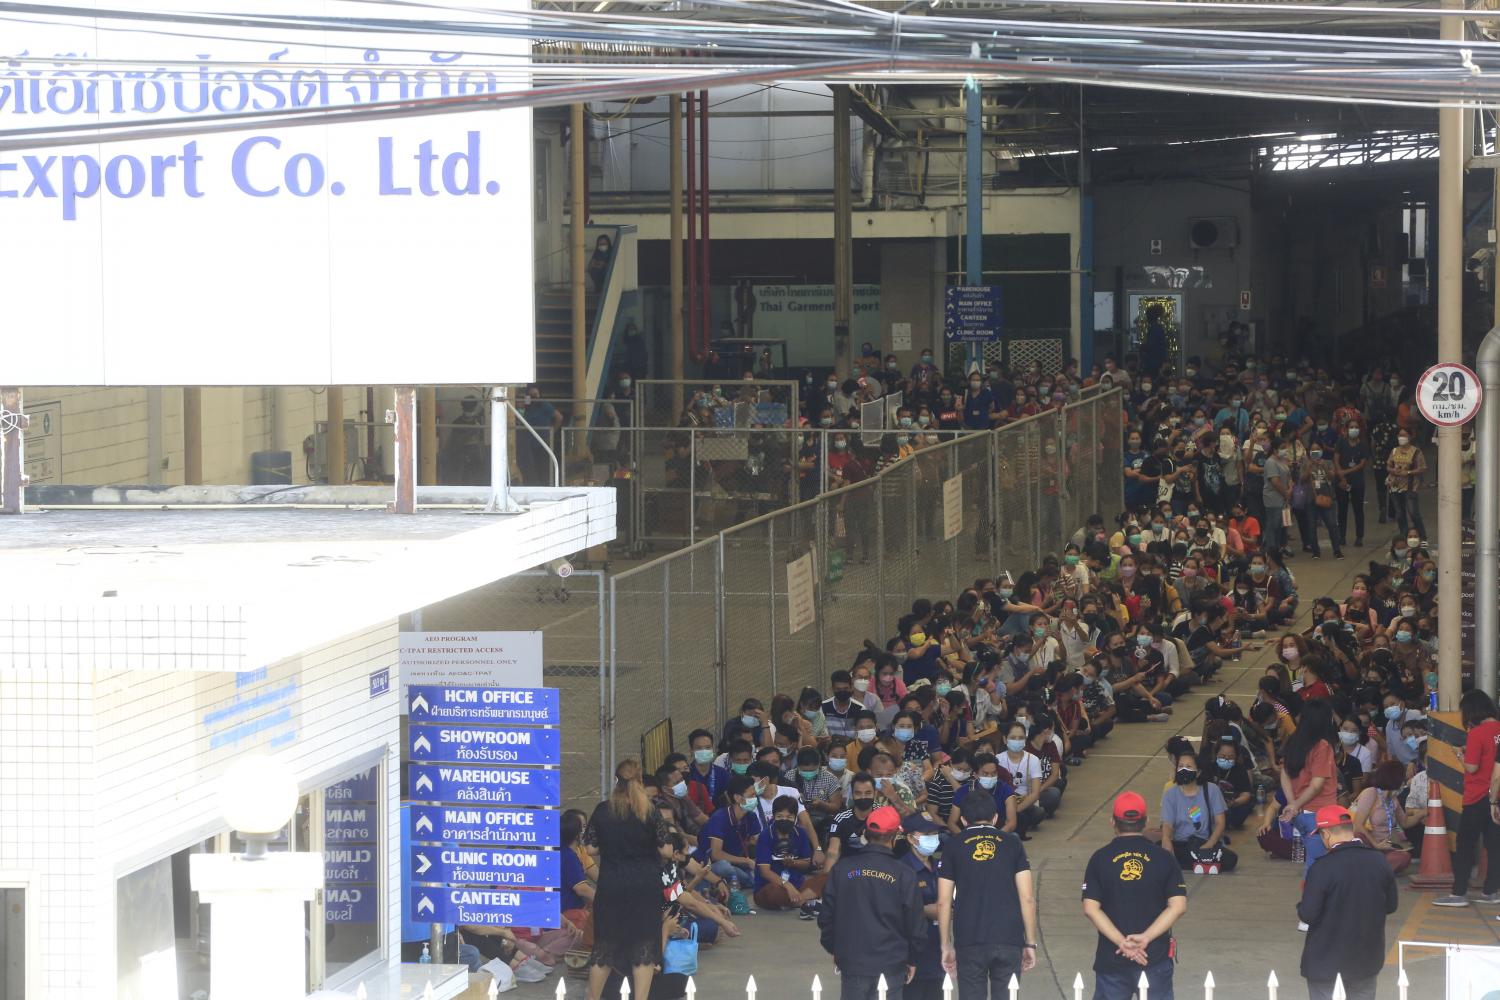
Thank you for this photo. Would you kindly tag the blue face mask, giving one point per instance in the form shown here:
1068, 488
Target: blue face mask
837, 764
1412, 743
1225, 765
928, 843
988, 782
943, 689
903, 734
703, 756
1143, 641
1015, 746
749, 722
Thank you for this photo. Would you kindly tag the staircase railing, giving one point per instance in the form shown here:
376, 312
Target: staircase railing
619, 305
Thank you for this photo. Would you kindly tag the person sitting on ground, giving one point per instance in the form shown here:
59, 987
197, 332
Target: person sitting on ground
987, 781
1193, 818
785, 873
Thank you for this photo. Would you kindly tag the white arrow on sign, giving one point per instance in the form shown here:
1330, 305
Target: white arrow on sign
419, 702
420, 743
422, 863
424, 783
424, 825
425, 905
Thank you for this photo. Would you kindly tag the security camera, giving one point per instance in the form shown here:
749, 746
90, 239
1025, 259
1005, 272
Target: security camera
561, 567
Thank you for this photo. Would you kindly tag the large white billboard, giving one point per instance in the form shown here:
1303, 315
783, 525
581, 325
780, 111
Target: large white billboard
394, 251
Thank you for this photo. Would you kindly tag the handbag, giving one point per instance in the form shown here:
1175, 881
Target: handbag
680, 956
1323, 501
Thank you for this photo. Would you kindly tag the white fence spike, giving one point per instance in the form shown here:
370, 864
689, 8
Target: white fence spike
624, 986
1208, 986
1402, 983
360, 993
691, 990
881, 988
817, 987
1338, 988
494, 989
428, 992
1015, 986
1272, 986
562, 989
1078, 986
750, 988
1143, 987
947, 987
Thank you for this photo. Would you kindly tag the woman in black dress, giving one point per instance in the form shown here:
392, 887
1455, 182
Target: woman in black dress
628, 835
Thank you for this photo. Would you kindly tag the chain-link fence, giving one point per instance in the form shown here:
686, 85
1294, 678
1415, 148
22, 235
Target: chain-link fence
778, 602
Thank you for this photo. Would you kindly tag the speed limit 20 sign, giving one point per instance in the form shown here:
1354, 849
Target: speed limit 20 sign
1449, 394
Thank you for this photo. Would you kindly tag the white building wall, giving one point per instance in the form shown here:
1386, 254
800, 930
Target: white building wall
103, 775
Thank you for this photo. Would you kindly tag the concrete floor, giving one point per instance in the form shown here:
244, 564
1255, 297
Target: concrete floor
1240, 926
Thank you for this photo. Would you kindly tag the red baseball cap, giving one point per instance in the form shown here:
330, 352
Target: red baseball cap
1129, 806
1333, 816
884, 820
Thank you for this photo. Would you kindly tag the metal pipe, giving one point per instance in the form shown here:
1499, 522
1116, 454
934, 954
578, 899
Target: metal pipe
192, 436
12, 458
691, 250
551, 455
675, 346
404, 461
843, 268
705, 275
333, 440
1084, 351
974, 200
1487, 517
867, 170
1452, 161
577, 213
427, 433
500, 500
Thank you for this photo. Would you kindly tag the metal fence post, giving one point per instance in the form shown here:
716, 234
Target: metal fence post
666, 638
692, 504
954, 469
609, 763
992, 488
880, 494
771, 592
721, 645
1034, 473
606, 717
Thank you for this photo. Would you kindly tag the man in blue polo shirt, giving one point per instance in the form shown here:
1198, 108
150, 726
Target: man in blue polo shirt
987, 781
726, 844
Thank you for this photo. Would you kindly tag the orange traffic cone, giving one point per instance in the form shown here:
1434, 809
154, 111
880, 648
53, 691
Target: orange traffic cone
1437, 866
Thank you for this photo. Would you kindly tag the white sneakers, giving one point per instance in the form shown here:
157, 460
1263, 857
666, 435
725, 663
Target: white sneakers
532, 971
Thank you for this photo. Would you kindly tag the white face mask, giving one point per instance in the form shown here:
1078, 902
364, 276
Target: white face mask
865, 735
861, 684
960, 775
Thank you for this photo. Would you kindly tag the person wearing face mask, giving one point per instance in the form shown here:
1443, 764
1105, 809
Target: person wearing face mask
988, 782
785, 873
846, 835
710, 778
987, 921
1345, 901
1317, 477
838, 712
866, 733
978, 405
1276, 495
1193, 818
925, 838
1025, 771
818, 788
672, 794
951, 773
1309, 774
1351, 457
1405, 468
1225, 767
1479, 822
726, 844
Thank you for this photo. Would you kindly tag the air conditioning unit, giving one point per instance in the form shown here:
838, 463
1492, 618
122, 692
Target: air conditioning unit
1215, 233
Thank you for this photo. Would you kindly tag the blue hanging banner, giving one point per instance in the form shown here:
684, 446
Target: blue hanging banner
485, 745
486, 907
497, 827
484, 705
485, 785
496, 866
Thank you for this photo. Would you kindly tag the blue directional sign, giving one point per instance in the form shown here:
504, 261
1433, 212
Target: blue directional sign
484, 705
971, 313
486, 907
486, 785
352, 864
485, 745
350, 904
497, 826
501, 866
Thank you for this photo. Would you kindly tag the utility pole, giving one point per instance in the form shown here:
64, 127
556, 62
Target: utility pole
974, 203
843, 250
676, 349
1452, 157
578, 231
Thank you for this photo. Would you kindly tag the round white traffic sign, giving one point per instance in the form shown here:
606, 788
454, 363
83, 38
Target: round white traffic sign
1449, 394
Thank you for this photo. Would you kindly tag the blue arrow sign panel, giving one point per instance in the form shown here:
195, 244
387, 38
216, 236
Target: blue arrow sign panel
486, 907
485, 745
349, 904
354, 863
496, 826
486, 785
972, 313
504, 867
484, 705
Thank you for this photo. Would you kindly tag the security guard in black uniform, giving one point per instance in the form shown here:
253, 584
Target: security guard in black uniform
871, 920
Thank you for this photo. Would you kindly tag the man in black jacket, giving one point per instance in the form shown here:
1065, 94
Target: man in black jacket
1349, 892
871, 920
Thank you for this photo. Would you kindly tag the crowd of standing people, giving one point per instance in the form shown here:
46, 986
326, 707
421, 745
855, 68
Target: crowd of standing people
893, 807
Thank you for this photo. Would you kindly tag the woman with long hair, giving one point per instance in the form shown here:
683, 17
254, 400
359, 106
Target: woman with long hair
628, 835
1309, 775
